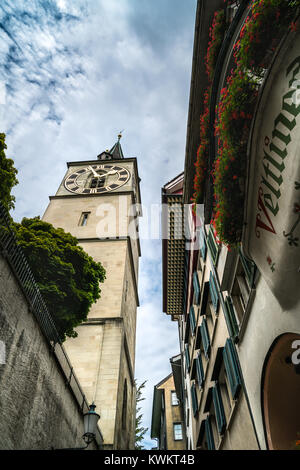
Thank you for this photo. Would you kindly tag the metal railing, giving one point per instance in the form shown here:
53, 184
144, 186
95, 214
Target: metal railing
18, 263
16, 259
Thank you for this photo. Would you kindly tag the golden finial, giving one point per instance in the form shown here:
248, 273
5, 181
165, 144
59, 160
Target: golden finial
120, 134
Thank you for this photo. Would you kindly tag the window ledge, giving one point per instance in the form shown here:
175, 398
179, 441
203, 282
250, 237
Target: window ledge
230, 419
243, 325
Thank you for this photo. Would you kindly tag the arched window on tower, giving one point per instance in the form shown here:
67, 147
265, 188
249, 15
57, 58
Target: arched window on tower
124, 408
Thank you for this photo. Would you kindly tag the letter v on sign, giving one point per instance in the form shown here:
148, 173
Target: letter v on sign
259, 222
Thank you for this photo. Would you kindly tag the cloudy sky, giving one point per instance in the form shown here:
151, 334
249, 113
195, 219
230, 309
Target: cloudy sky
73, 74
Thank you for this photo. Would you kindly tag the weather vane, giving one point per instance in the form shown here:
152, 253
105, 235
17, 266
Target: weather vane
120, 134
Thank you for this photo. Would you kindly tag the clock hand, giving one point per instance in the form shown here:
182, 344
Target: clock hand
111, 172
93, 171
96, 175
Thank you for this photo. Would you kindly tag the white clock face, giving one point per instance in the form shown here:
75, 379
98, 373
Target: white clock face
97, 179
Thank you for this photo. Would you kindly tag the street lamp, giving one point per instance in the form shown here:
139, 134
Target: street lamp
90, 420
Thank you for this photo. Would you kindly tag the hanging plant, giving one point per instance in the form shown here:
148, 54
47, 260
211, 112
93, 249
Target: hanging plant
216, 36
259, 35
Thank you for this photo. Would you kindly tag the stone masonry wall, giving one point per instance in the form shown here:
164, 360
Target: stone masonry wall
37, 407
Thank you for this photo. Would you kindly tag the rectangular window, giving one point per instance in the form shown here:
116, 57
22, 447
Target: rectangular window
205, 338
232, 368
97, 182
242, 286
213, 291
212, 245
230, 318
202, 244
194, 399
174, 399
205, 294
177, 429
249, 268
83, 218
200, 370
192, 319
219, 409
225, 392
209, 434
196, 286
187, 356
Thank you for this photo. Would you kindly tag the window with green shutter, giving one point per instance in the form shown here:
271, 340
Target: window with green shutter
194, 399
249, 268
232, 368
231, 320
200, 370
205, 294
213, 291
205, 338
202, 243
187, 356
212, 245
196, 286
219, 409
185, 279
209, 435
192, 319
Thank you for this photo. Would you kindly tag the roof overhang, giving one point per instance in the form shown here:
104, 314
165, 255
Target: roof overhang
177, 374
173, 246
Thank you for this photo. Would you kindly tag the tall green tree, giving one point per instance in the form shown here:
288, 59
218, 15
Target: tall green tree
140, 431
8, 177
67, 276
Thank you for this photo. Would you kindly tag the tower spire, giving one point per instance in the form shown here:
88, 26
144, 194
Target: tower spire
115, 152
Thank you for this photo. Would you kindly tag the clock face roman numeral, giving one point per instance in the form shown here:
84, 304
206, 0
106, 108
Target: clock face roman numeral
97, 179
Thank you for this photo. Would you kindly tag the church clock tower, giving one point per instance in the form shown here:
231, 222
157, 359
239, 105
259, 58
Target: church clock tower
98, 202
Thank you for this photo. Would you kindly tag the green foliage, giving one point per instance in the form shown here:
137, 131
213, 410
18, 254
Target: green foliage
139, 429
235, 113
267, 22
7, 176
66, 275
216, 36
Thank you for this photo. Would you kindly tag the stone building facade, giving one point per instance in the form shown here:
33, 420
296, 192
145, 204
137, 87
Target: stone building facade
167, 416
98, 202
238, 321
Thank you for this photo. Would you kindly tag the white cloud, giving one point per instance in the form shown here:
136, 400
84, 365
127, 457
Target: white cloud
62, 5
